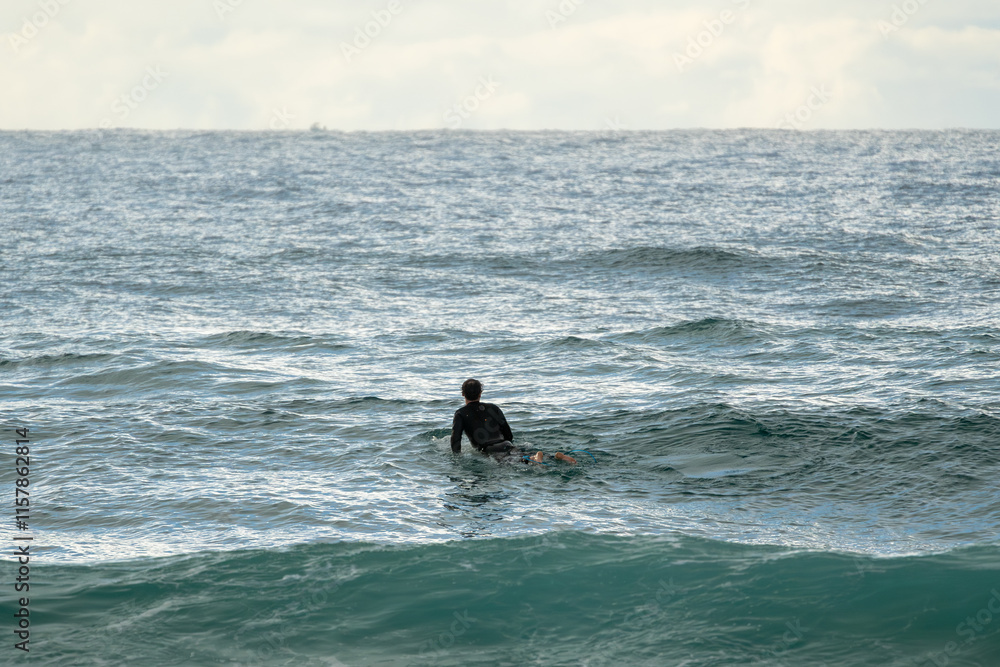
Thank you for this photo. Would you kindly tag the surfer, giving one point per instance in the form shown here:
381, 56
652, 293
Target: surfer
486, 427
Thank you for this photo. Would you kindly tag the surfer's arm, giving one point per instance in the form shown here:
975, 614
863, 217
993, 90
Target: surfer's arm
505, 427
456, 434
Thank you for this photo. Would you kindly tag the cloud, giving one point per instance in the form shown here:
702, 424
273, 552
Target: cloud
239, 67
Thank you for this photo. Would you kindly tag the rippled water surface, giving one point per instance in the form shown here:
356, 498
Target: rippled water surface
773, 341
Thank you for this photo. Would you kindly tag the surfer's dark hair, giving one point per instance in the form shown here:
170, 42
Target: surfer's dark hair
472, 389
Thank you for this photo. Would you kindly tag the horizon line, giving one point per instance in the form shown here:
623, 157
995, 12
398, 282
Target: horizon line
325, 130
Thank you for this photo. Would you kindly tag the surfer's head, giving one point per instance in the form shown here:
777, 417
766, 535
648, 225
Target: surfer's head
472, 389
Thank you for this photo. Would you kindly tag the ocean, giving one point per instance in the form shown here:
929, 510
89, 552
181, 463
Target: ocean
238, 355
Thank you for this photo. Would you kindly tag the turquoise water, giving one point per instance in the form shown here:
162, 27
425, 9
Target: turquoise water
238, 355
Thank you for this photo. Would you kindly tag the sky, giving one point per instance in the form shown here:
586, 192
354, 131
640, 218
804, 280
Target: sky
499, 64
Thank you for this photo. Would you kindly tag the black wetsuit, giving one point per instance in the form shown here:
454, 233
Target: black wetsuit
486, 427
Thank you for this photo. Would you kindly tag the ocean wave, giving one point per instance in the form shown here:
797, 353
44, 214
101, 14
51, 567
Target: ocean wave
57, 360
709, 328
178, 376
558, 598
640, 258
572, 343
704, 258
266, 340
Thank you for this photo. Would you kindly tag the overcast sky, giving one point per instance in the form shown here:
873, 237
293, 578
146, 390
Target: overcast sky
491, 64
